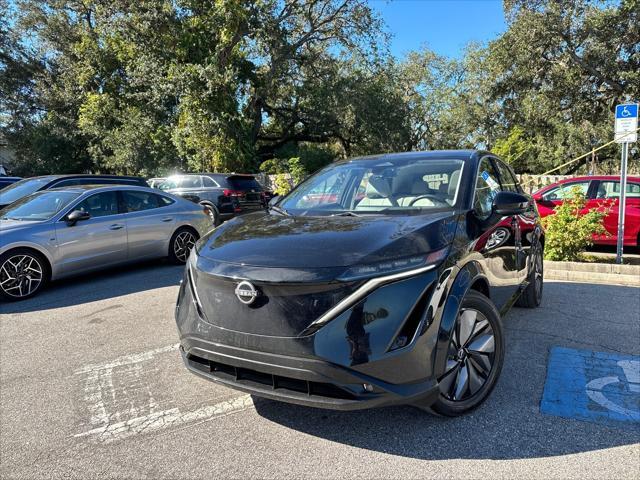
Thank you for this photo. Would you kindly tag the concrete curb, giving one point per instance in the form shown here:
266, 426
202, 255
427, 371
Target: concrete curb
606, 273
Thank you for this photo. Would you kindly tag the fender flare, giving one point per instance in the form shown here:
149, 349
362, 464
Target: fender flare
468, 275
208, 203
33, 246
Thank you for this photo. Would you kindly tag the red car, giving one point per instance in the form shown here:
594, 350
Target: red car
601, 191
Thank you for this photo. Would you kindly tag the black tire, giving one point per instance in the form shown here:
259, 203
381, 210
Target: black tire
531, 296
180, 245
213, 214
480, 355
30, 269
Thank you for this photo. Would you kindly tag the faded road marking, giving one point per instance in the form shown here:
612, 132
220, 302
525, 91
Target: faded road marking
99, 390
127, 359
165, 419
121, 403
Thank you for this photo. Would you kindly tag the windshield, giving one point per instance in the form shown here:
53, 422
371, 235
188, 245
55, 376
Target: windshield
22, 189
39, 206
378, 186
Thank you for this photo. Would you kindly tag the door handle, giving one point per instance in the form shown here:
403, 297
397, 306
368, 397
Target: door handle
167, 219
116, 226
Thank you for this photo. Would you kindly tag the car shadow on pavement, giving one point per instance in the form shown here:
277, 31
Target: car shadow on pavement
101, 285
509, 424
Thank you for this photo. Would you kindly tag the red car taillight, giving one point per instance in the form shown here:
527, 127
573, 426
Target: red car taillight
233, 193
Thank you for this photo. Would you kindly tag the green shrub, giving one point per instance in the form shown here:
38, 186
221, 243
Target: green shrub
282, 184
297, 170
287, 172
568, 232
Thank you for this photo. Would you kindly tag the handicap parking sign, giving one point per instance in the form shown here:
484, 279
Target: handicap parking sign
593, 386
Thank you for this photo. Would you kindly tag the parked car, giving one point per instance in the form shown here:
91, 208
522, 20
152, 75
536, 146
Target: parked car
224, 194
156, 181
602, 192
6, 181
34, 184
66, 231
385, 286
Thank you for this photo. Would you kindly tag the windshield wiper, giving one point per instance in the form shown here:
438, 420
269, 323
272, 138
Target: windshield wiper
346, 214
279, 210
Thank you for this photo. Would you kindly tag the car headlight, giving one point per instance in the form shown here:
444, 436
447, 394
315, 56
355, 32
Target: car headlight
393, 266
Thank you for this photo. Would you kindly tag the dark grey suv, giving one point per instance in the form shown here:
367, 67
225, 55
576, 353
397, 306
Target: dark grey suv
224, 194
27, 186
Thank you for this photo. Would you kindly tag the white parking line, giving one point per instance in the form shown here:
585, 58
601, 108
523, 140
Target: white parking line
99, 385
165, 419
129, 408
128, 359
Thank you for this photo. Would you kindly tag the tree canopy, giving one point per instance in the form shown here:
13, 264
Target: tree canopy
153, 86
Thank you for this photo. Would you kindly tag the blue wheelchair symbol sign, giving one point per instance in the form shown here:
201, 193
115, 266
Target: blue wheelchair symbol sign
594, 386
627, 111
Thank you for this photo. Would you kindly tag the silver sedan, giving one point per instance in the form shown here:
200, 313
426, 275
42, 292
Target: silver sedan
67, 231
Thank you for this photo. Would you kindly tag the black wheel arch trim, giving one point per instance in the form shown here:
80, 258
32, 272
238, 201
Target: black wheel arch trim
465, 279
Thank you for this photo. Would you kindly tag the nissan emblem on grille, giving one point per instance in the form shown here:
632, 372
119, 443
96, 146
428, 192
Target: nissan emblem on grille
246, 292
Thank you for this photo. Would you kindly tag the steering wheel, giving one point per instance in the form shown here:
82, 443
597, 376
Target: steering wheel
433, 198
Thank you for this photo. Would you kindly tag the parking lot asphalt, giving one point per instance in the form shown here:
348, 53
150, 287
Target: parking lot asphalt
92, 386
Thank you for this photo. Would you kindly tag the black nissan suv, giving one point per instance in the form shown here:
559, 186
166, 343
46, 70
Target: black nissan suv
224, 194
377, 281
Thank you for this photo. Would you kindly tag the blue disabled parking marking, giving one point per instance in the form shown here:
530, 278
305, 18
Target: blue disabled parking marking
593, 386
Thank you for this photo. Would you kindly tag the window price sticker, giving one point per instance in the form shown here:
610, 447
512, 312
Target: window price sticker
490, 181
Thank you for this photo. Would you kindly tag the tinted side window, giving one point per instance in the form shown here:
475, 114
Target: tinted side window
164, 201
560, 192
221, 180
100, 204
208, 182
487, 186
194, 181
611, 189
507, 179
72, 182
138, 201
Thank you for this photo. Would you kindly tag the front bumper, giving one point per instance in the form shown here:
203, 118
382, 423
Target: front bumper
307, 382
348, 364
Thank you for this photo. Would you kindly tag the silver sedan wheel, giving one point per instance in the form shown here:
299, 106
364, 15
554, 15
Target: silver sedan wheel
183, 244
470, 357
21, 275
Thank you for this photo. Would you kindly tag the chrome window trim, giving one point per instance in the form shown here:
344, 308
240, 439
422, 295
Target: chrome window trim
217, 185
359, 294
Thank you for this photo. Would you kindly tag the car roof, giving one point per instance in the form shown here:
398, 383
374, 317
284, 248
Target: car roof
213, 174
434, 154
81, 175
597, 177
102, 187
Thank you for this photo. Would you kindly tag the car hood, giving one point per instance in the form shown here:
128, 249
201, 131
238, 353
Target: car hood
13, 225
268, 239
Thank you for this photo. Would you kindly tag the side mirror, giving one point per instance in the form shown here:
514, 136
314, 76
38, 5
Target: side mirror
274, 200
510, 203
77, 216
537, 197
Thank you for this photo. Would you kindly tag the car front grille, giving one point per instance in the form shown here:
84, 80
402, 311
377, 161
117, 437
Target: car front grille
281, 310
260, 380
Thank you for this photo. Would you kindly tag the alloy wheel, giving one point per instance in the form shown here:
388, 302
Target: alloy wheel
183, 244
538, 272
470, 357
21, 275
212, 215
